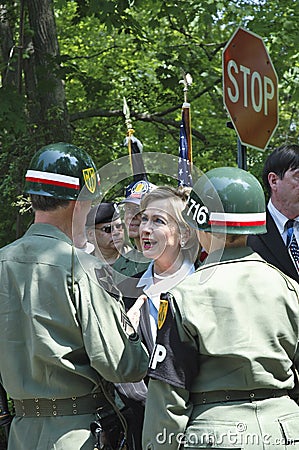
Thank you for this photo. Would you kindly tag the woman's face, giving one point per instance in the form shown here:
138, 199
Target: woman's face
159, 233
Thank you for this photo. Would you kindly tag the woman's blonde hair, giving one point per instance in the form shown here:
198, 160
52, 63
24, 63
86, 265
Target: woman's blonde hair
176, 200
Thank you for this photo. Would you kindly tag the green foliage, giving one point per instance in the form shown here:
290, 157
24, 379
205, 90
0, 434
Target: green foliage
12, 120
110, 49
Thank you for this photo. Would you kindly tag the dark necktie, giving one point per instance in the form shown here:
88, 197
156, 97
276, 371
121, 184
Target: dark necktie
292, 242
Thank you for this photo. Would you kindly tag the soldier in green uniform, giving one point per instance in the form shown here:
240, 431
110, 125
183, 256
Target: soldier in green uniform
63, 339
222, 372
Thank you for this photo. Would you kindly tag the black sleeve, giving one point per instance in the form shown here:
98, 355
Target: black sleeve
173, 361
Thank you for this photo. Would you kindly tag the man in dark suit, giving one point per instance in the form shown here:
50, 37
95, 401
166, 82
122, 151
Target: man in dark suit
281, 178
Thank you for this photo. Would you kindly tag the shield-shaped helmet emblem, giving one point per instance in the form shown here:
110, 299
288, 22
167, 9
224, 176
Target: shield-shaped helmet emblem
90, 179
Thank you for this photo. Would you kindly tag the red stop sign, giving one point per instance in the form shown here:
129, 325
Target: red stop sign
250, 88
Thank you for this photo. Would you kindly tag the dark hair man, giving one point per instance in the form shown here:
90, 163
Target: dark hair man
279, 246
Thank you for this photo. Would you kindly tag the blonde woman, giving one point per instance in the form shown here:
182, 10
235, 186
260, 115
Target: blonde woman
172, 246
168, 241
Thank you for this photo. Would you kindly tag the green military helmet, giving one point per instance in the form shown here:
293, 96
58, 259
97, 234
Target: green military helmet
63, 171
227, 200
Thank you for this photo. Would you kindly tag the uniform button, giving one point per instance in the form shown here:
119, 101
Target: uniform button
227, 397
75, 411
251, 395
54, 413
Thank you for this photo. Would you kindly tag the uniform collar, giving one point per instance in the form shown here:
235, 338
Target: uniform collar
227, 254
45, 229
147, 278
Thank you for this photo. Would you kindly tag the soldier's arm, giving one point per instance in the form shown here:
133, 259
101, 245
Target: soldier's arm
112, 344
167, 413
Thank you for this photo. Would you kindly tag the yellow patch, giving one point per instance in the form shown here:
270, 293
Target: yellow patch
162, 313
90, 179
141, 187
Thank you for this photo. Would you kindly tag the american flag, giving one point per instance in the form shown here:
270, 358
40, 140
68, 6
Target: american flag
185, 148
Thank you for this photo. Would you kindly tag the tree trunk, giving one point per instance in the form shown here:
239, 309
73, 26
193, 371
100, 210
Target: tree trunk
9, 73
43, 82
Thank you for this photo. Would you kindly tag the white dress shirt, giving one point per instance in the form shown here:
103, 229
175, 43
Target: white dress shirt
280, 221
154, 290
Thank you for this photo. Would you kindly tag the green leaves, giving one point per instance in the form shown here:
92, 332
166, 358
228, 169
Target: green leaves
137, 48
12, 111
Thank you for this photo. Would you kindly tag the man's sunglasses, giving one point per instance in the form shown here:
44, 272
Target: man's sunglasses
109, 228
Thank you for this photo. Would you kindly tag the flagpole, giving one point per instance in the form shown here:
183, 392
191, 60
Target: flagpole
187, 81
134, 147
130, 130
185, 147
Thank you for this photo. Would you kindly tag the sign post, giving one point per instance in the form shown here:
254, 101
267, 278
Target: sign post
250, 89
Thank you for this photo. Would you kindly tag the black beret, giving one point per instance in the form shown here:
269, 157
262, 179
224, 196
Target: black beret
102, 213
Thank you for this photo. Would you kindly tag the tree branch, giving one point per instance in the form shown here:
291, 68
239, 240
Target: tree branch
144, 117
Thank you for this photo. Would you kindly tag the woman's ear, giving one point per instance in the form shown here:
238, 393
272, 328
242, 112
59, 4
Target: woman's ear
185, 236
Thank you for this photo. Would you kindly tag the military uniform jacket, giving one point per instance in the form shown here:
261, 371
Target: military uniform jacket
239, 317
60, 332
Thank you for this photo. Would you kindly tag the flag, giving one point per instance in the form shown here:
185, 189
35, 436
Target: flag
135, 152
185, 148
